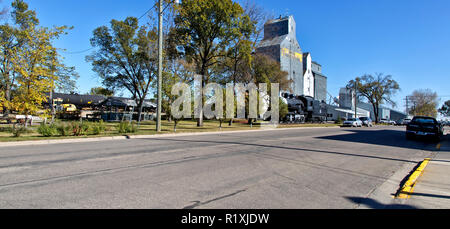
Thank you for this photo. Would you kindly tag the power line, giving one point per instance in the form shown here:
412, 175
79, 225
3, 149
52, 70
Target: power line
89, 49
147, 12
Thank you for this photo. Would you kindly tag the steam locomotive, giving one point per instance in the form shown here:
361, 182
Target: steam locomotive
304, 109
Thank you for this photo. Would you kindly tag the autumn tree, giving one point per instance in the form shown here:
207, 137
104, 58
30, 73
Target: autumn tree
424, 103
12, 37
205, 30
377, 89
30, 66
34, 64
240, 56
126, 57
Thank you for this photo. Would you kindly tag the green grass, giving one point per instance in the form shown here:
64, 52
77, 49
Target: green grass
149, 128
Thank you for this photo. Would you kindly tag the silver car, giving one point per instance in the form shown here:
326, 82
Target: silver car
403, 122
366, 121
353, 122
388, 122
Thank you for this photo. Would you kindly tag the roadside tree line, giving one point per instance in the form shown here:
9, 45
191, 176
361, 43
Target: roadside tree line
215, 39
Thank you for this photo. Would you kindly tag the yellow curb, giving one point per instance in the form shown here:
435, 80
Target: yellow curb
408, 187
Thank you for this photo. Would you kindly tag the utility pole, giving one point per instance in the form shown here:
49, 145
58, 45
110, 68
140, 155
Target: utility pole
356, 101
160, 65
407, 105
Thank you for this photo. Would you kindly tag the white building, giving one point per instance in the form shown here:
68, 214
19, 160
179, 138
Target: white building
308, 76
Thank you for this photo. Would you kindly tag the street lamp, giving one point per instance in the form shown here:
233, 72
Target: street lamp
160, 62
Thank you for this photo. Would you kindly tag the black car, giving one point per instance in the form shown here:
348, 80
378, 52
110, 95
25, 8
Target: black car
421, 126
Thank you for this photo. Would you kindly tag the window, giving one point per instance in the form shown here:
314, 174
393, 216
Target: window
423, 121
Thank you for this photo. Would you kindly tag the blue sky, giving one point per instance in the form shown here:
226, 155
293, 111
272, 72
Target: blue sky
408, 39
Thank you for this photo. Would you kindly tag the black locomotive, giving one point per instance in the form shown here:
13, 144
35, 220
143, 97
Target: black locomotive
304, 109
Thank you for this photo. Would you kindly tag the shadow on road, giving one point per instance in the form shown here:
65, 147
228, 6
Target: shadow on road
373, 204
283, 148
430, 195
392, 138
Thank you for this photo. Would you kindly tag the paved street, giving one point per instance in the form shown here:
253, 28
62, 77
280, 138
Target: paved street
296, 168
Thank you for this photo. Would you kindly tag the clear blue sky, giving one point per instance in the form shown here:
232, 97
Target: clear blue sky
409, 39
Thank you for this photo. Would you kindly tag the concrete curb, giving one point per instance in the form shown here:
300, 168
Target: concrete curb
408, 187
82, 140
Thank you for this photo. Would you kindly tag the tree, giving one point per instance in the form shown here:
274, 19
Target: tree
126, 57
12, 38
377, 89
175, 71
265, 69
284, 109
205, 30
27, 55
101, 91
34, 64
66, 79
445, 109
424, 103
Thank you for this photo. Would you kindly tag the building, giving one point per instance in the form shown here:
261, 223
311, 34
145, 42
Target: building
320, 82
308, 77
346, 108
280, 43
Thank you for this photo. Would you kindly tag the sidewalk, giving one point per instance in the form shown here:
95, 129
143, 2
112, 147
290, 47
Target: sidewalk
432, 190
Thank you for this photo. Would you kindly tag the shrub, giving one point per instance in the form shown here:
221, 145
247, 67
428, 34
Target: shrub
18, 131
80, 128
98, 128
85, 126
63, 129
47, 130
125, 127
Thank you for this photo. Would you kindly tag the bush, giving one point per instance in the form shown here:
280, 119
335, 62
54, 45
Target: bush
47, 130
63, 129
18, 131
338, 121
80, 128
125, 127
98, 128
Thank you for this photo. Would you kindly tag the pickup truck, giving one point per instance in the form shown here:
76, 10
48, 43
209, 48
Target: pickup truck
426, 127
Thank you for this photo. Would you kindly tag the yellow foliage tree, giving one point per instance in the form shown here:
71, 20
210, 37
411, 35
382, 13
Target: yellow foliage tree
35, 65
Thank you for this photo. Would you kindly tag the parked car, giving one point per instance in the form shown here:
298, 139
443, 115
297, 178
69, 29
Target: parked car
422, 126
387, 121
366, 121
403, 122
353, 122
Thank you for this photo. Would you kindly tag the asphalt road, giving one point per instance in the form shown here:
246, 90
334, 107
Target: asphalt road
297, 168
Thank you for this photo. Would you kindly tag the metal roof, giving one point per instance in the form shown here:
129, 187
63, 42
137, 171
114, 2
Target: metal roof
79, 100
125, 102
